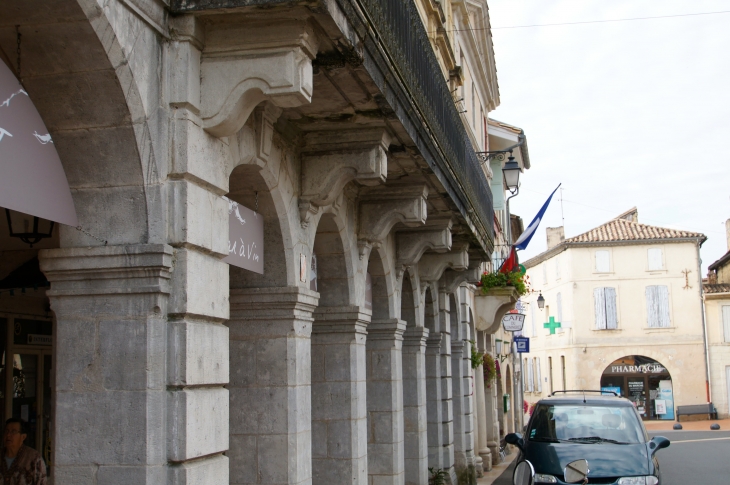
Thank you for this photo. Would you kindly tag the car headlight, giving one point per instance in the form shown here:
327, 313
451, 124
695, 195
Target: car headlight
647, 480
542, 478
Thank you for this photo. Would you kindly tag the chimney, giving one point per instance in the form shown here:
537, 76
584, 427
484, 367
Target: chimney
556, 235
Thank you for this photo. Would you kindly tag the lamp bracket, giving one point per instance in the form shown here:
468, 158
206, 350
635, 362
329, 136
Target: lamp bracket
499, 155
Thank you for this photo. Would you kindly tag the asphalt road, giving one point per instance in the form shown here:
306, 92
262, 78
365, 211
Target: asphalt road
695, 457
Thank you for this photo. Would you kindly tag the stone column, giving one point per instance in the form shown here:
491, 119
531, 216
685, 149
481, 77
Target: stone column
447, 411
458, 399
433, 400
414, 405
339, 410
482, 448
270, 392
492, 419
110, 305
384, 346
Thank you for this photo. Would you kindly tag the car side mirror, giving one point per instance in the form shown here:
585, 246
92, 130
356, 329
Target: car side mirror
515, 439
657, 443
576, 471
524, 474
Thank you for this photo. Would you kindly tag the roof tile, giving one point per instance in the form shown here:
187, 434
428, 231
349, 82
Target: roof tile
623, 230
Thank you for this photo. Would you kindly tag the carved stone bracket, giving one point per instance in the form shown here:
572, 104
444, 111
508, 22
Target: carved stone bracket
383, 207
432, 265
243, 65
332, 159
491, 307
435, 235
451, 280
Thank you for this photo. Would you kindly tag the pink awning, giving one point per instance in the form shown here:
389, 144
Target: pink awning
32, 179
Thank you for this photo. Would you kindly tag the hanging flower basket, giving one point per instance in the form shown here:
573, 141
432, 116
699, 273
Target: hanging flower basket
477, 358
490, 370
517, 279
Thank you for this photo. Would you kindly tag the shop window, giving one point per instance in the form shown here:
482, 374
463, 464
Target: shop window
657, 306
605, 308
655, 259
726, 322
603, 262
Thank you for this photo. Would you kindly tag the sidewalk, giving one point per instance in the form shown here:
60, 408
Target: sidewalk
652, 426
492, 475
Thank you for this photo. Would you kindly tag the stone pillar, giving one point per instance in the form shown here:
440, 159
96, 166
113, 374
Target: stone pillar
447, 412
339, 410
460, 395
110, 305
270, 392
482, 448
384, 346
493, 421
414, 405
433, 400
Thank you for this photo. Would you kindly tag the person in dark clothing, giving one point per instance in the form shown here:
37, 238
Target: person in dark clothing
21, 465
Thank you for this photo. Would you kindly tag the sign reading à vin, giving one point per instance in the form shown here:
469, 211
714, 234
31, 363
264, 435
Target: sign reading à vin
245, 238
512, 322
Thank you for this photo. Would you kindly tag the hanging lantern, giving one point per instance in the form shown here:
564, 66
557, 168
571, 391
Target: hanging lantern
29, 229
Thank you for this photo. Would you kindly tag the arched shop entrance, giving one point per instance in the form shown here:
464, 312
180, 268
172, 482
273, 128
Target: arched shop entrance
643, 381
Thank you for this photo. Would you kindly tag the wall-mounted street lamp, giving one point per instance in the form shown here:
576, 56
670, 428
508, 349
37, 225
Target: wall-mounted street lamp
41, 228
503, 349
511, 173
541, 301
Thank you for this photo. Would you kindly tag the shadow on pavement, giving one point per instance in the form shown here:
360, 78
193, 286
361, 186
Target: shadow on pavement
506, 477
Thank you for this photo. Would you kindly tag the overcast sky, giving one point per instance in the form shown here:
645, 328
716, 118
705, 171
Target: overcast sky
624, 114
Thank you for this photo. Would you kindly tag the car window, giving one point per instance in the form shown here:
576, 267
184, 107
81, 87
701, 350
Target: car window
585, 423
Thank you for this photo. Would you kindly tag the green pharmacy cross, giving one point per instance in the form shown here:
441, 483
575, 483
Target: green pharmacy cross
552, 325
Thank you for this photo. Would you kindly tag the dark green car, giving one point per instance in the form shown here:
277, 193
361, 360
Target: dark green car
604, 430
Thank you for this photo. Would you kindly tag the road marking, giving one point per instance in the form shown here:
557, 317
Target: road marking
704, 439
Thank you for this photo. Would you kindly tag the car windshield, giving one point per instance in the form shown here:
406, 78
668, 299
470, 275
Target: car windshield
585, 423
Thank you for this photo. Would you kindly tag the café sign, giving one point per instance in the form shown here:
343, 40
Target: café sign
513, 322
245, 238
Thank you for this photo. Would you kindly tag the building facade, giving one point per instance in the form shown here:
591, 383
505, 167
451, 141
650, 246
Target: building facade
140, 355
717, 313
623, 312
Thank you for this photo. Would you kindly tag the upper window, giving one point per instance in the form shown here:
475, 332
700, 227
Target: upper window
603, 261
605, 308
538, 374
657, 306
557, 268
559, 301
655, 259
726, 321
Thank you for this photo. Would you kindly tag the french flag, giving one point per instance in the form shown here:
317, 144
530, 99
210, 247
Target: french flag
526, 236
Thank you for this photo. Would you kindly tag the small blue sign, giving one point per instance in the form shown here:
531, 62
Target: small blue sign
523, 344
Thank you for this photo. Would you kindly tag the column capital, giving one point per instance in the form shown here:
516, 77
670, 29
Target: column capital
386, 329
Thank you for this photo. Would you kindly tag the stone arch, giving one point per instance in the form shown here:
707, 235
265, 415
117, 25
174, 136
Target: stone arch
334, 267
383, 301
409, 300
80, 79
430, 310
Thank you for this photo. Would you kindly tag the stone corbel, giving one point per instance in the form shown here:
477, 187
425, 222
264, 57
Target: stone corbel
243, 65
383, 207
432, 265
332, 159
491, 307
451, 280
435, 235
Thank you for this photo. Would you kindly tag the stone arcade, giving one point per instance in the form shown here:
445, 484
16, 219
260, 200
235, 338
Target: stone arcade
333, 120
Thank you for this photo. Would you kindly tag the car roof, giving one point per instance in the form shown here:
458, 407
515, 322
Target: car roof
578, 398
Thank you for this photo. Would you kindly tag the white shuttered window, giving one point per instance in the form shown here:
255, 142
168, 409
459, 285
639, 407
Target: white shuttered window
603, 262
538, 374
559, 301
726, 322
605, 308
530, 376
656, 261
557, 268
657, 306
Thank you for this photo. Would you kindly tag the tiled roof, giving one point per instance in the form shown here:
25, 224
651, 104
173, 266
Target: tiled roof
720, 262
623, 230
716, 288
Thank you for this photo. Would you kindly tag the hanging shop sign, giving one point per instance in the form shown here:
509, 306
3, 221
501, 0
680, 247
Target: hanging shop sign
32, 179
522, 344
245, 238
513, 322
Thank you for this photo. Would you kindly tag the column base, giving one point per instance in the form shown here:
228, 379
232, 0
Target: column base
479, 466
486, 456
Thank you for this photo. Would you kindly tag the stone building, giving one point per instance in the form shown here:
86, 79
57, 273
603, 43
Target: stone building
717, 312
623, 312
351, 128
